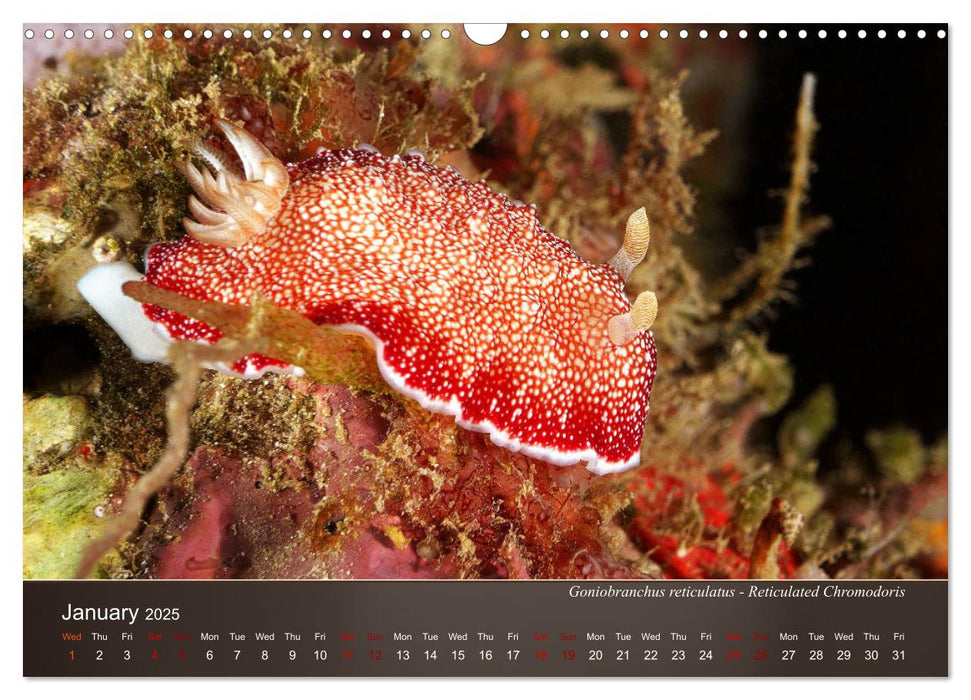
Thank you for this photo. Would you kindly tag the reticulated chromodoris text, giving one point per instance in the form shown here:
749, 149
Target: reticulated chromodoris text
475, 309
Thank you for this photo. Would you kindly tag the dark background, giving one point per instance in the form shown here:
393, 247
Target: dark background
871, 315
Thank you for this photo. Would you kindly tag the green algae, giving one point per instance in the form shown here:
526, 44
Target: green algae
61, 519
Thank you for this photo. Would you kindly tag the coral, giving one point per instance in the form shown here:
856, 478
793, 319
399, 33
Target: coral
340, 477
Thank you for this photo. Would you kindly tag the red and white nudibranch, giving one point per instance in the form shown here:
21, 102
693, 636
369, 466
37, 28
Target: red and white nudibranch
475, 309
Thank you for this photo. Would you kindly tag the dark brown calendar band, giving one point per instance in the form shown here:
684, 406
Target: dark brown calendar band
485, 628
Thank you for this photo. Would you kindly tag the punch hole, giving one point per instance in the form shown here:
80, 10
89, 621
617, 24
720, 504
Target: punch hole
882, 34
763, 34
346, 33
247, 34
901, 34
129, 34
663, 34
366, 34
683, 34
110, 33
406, 34
29, 34
822, 34
187, 34
306, 33
207, 34
524, 34
386, 34
803, 33
68, 33
227, 34
167, 34
287, 34
267, 33
921, 33
326, 34
743, 34
841, 34
545, 34
584, 34
703, 34
446, 34
723, 34
861, 33
485, 34
783, 33
425, 34
604, 34
564, 34
624, 33
941, 33
644, 34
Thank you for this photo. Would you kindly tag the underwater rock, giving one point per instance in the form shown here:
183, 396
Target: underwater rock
386, 490
53, 424
227, 523
65, 510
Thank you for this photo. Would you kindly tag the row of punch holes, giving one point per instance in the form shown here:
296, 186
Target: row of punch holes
524, 33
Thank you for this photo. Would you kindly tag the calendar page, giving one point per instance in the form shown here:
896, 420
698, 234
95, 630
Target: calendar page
485, 350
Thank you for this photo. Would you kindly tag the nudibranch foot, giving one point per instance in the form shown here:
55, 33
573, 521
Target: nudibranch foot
102, 288
475, 309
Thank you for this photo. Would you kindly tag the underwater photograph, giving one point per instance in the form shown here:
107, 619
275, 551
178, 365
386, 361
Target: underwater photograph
381, 302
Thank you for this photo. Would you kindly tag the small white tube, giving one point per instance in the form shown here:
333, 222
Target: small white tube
101, 287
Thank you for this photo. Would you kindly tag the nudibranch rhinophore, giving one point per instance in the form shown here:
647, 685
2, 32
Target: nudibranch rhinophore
476, 310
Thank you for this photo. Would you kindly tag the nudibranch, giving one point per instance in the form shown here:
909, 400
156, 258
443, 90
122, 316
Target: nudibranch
475, 309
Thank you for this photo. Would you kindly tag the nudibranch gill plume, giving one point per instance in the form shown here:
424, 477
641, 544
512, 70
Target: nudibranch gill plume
475, 309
